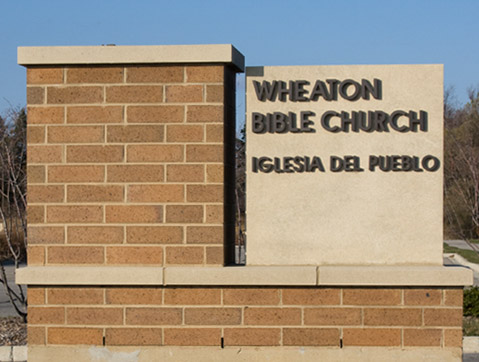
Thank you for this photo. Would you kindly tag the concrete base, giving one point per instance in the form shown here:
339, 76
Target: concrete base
211, 354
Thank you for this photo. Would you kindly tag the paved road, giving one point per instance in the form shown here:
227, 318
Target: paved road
461, 244
6, 308
470, 357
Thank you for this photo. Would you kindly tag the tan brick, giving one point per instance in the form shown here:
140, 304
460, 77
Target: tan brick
252, 336
46, 235
75, 134
214, 133
272, 316
134, 296
135, 134
453, 337
184, 133
44, 75
134, 214
443, 317
422, 296
454, 297
332, 316
45, 115
154, 153
94, 154
135, 173
310, 337
215, 93
185, 173
184, 255
192, 336
184, 214
35, 214
95, 235
94, 114
214, 173
154, 74
155, 114
154, 234
36, 296
134, 94
74, 214
98, 74
94, 193
215, 255
76, 336
204, 235
371, 337
44, 154
212, 316
192, 296
311, 296
204, 193
251, 296
36, 335
35, 134
184, 93
75, 255
204, 74
204, 153
156, 193
35, 95
392, 317
422, 337
35, 174
95, 316
134, 255
214, 214
133, 337
45, 194
74, 95
153, 316
36, 255
46, 315
366, 296
205, 114
78, 174
75, 296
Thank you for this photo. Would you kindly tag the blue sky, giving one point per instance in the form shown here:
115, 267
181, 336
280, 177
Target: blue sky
268, 32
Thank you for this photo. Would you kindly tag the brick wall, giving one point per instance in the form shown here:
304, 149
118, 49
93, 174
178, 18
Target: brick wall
391, 317
125, 164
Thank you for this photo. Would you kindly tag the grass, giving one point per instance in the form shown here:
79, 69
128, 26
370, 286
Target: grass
469, 255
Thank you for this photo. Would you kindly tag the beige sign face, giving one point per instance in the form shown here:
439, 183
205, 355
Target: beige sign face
344, 165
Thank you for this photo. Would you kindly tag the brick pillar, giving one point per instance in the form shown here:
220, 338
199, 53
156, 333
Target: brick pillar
126, 162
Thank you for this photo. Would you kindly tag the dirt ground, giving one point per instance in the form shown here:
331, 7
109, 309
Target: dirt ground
13, 332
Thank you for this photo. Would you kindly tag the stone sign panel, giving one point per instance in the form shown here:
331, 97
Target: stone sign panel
344, 165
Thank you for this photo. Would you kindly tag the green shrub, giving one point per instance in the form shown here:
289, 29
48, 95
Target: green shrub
471, 302
470, 326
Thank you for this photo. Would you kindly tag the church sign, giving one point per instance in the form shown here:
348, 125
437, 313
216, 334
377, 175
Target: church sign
344, 164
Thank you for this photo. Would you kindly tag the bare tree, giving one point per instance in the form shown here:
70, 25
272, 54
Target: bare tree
462, 168
240, 192
13, 239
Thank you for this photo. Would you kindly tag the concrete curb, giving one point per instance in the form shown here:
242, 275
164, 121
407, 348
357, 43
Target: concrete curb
470, 345
13, 353
463, 261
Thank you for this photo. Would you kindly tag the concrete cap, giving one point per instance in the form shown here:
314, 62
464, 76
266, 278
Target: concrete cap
112, 54
248, 275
